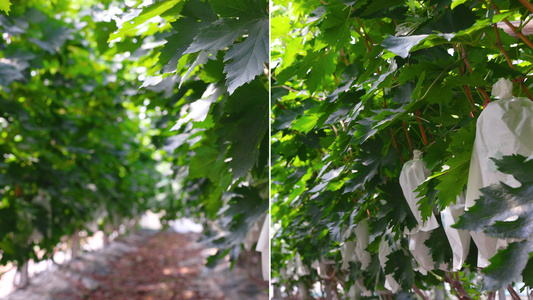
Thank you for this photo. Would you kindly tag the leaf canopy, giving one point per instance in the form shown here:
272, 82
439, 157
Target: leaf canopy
356, 87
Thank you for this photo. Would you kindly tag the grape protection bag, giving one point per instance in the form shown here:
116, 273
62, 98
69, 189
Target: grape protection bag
263, 246
252, 236
504, 127
295, 268
356, 251
413, 173
361, 236
347, 249
385, 249
459, 239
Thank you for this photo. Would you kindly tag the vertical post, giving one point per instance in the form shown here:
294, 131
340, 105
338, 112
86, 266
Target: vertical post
501, 294
23, 276
75, 244
439, 294
329, 291
106, 240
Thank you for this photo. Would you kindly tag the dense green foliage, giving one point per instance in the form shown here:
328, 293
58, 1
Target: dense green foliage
210, 107
357, 85
74, 155
110, 108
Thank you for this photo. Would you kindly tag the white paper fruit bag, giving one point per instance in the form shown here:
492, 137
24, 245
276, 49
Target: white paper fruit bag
347, 249
356, 251
361, 235
385, 249
347, 254
413, 173
459, 239
301, 269
357, 290
355, 248
421, 252
504, 127
252, 236
262, 246
322, 267
295, 268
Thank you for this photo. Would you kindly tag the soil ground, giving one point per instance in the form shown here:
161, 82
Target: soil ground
149, 266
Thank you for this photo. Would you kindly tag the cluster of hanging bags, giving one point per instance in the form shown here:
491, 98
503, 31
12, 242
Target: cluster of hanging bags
413, 173
504, 127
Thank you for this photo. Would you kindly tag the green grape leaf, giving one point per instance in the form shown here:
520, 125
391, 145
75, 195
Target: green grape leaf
244, 61
299, 68
245, 208
396, 211
147, 13
364, 129
323, 68
426, 202
186, 29
102, 34
436, 153
453, 181
305, 123
8, 74
439, 247
528, 273
506, 266
244, 126
401, 45
206, 163
5, 6
399, 265
243, 9
374, 7
367, 166
336, 28
199, 10
403, 95
53, 37
217, 36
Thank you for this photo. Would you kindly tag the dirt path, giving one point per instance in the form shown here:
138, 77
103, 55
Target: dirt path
165, 267
148, 266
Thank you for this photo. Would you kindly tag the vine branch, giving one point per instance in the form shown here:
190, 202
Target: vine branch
513, 28
422, 131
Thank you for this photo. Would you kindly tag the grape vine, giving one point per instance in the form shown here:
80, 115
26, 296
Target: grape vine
357, 86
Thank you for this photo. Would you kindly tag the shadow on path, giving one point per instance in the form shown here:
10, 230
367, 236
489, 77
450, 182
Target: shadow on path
147, 265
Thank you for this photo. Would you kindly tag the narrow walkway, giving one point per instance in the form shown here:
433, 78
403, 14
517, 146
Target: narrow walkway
148, 266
